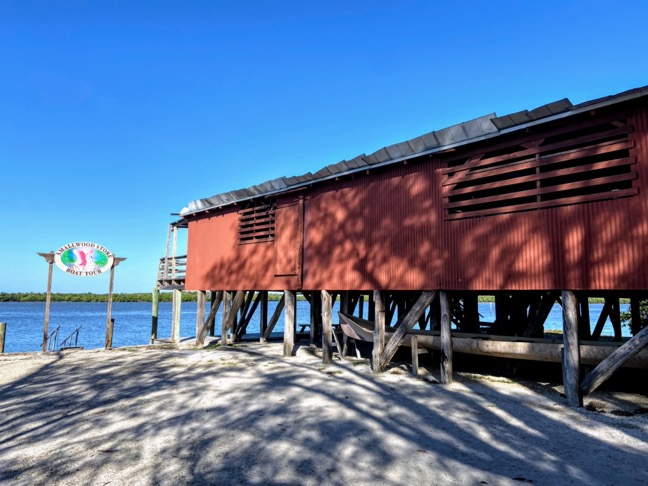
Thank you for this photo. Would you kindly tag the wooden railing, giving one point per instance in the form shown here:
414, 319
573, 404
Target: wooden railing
172, 272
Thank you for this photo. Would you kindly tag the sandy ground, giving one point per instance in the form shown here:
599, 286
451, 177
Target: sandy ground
244, 415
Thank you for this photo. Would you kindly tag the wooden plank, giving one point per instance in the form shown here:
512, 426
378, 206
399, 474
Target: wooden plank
207, 324
379, 329
545, 204
289, 323
327, 327
274, 319
613, 362
571, 350
405, 327
446, 339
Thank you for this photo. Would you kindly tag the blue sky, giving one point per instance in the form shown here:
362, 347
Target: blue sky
115, 114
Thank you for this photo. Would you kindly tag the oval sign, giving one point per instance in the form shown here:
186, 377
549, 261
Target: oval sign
83, 259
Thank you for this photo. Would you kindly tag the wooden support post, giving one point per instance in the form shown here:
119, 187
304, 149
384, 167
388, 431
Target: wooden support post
315, 317
571, 350
635, 315
207, 324
229, 314
371, 307
3, 333
109, 320
415, 353
600, 323
404, 327
584, 328
201, 329
263, 315
379, 329
211, 319
615, 318
327, 327
446, 339
227, 305
361, 305
274, 319
289, 323
471, 313
247, 316
609, 365
176, 305
49, 258
155, 310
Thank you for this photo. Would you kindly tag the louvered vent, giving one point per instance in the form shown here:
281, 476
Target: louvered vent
591, 161
257, 223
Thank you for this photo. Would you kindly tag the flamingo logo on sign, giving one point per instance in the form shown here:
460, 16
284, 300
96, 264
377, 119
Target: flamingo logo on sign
83, 259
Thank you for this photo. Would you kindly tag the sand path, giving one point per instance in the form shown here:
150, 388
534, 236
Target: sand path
244, 415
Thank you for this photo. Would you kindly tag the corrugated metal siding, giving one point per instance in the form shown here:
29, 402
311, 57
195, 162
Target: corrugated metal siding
386, 230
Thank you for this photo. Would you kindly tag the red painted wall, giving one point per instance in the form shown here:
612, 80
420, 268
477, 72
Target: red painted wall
385, 230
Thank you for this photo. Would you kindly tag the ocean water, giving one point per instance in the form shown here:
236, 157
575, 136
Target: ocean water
133, 321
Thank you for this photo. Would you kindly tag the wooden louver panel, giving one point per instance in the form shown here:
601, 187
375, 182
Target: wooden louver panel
257, 223
593, 162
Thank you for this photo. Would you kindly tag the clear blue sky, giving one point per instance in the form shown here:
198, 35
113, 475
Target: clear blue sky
114, 114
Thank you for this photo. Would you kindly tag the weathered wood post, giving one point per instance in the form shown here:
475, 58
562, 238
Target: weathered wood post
327, 328
211, 321
155, 310
571, 350
110, 322
176, 304
49, 258
3, 332
227, 309
379, 329
315, 317
289, 323
446, 339
201, 329
263, 314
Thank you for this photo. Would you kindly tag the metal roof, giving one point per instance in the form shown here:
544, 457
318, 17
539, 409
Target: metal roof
481, 128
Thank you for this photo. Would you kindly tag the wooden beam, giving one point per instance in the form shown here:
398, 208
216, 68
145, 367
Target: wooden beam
327, 327
415, 353
446, 339
289, 324
405, 326
315, 318
263, 314
201, 331
229, 315
615, 318
200, 319
600, 323
571, 350
635, 315
609, 365
247, 316
379, 306
274, 319
176, 305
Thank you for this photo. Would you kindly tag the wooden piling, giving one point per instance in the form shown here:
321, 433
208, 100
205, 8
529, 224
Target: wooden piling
229, 314
176, 304
289, 324
3, 332
446, 339
201, 330
327, 328
155, 309
378, 308
315, 318
49, 258
110, 326
571, 350
274, 319
227, 305
263, 314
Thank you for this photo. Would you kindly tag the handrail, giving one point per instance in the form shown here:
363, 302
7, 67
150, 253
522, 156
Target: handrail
75, 333
52, 339
172, 268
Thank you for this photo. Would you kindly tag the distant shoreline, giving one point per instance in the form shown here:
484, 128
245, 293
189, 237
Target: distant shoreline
164, 297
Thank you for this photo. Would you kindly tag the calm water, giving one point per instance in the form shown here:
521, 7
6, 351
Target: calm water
133, 321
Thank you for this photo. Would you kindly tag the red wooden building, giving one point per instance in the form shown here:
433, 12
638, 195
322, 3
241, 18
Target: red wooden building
523, 207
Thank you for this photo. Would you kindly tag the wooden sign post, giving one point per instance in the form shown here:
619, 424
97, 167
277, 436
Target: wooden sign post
49, 258
109, 321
